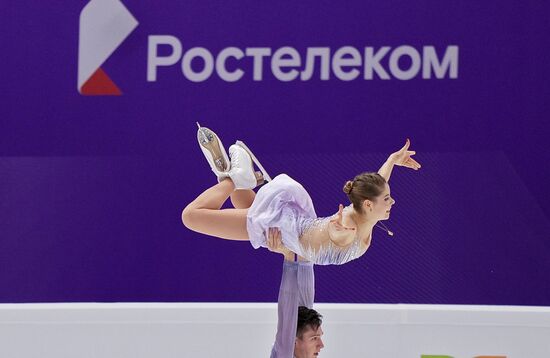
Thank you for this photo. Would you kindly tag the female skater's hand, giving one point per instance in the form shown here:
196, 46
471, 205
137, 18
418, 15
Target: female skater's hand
337, 221
403, 157
275, 243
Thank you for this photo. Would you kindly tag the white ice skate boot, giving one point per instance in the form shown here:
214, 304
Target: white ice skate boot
212, 148
266, 176
242, 168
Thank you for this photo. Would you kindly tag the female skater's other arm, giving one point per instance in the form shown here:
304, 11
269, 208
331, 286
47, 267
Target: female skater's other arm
341, 234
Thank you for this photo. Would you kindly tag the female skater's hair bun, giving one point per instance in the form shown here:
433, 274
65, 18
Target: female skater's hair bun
348, 187
366, 186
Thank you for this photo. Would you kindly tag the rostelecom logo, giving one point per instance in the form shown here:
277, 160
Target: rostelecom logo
104, 25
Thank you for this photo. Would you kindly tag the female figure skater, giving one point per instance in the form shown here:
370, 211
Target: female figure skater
284, 204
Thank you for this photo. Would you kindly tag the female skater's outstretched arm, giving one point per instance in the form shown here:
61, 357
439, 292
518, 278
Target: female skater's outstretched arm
401, 158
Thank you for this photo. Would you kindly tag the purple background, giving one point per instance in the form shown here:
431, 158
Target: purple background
91, 188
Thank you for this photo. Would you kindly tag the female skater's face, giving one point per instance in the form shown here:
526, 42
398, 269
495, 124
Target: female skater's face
381, 206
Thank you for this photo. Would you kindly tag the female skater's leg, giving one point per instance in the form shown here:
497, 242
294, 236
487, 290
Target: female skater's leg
242, 199
204, 215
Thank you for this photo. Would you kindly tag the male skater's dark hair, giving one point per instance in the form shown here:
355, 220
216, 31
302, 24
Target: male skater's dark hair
307, 317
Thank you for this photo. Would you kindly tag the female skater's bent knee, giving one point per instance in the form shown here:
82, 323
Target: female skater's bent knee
189, 217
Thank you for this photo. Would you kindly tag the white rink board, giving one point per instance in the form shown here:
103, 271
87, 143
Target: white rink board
165, 330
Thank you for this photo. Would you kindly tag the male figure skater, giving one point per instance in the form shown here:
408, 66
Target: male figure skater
299, 326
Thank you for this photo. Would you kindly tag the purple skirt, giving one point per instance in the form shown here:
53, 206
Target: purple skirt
282, 203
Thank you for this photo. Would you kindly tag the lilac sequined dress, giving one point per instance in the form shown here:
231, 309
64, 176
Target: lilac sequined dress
285, 204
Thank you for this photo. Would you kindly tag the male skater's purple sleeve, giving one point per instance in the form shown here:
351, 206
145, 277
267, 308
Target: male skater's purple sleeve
306, 284
297, 289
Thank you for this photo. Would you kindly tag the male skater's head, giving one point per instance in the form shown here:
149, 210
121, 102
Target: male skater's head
308, 333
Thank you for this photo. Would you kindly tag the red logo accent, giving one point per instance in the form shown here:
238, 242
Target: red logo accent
100, 84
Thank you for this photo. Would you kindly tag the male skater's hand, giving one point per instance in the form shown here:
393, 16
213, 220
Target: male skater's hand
275, 243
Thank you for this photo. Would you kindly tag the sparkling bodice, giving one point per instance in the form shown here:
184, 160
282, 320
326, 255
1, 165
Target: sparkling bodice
317, 246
